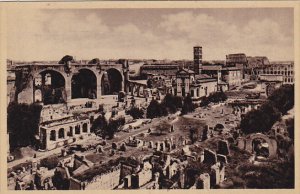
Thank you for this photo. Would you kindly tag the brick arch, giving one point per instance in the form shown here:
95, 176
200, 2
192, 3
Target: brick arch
270, 141
109, 86
84, 83
38, 72
95, 71
57, 86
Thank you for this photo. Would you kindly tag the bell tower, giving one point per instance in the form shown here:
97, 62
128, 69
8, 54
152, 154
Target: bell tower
197, 59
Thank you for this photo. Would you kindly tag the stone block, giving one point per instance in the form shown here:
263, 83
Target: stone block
223, 147
210, 157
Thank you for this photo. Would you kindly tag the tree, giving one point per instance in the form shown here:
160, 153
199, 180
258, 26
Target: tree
168, 101
188, 105
99, 125
50, 162
172, 103
155, 109
136, 112
217, 97
104, 128
94, 61
178, 101
66, 59
213, 97
204, 101
290, 123
22, 123
163, 127
260, 120
283, 98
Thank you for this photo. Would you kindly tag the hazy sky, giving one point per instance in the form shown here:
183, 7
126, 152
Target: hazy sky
150, 33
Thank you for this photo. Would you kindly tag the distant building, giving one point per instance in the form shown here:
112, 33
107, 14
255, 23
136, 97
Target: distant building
230, 75
257, 61
269, 82
160, 69
58, 128
286, 69
184, 78
11, 80
238, 58
196, 86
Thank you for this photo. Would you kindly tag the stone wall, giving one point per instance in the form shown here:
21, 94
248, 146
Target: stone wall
108, 180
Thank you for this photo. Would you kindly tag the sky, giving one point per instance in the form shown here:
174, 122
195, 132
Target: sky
49, 34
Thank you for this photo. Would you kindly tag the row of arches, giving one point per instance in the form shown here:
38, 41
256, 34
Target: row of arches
136, 89
63, 134
50, 85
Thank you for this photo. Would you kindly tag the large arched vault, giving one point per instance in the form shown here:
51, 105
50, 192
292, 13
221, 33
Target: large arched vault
111, 82
84, 84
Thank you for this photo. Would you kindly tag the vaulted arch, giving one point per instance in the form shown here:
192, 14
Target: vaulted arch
84, 84
51, 84
111, 82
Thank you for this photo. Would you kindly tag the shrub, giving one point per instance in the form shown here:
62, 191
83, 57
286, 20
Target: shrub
22, 123
260, 120
188, 105
213, 97
283, 98
172, 103
50, 162
156, 109
136, 113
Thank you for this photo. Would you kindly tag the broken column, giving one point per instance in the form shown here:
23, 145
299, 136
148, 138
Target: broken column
203, 181
127, 182
217, 174
241, 143
157, 146
223, 147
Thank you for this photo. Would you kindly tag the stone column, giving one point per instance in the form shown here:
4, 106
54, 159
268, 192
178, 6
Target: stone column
69, 86
88, 127
99, 78
138, 91
203, 181
215, 173
66, 133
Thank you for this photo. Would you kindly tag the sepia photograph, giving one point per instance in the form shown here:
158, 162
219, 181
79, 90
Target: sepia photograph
114, 98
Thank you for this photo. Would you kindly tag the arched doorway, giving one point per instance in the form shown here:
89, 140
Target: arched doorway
111, 82
84, 84
70, 133
53, 135
260, 147
61, 133
52, 86
85, 128
77, 129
